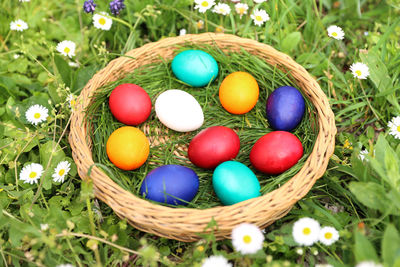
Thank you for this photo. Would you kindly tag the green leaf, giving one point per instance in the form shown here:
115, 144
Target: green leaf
370, 194
290, 41
63, 69
390, 245
50, 155
363, 249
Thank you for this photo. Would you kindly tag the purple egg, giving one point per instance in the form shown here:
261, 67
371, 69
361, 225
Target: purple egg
285, 108
170, 184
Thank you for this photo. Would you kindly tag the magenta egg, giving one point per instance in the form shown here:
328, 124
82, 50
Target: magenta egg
212, 146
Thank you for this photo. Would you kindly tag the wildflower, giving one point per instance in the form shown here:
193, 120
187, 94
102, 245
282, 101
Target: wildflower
44, 227
247, 238
182, 32
328, 235
36, 114
299, 251
260, 1
200, 24
359, 70
24, 0
347, 144
362, 154
306, 231
66, 48
214, 261
61, 171
222, 9
368, 264
18, 25
102, 21
394, 127
31, 173
16, 56
71, 99
219, 29
116, 6
259, 16
335, 32
203, 5
65, 265
89, 6
241, 9
366, 33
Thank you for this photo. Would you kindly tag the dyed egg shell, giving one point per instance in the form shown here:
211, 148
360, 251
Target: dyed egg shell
213, 146
170, 184
128, 148
276, 152
238, 92
234, 182
285, 108
179, 111
195, 67
130, 104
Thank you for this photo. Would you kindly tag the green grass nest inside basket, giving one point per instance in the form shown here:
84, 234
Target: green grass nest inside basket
157, 78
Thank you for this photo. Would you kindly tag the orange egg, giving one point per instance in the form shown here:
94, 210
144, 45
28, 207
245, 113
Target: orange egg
128, 148
238, 92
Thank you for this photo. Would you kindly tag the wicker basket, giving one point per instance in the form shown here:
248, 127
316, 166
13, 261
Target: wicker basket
185, 223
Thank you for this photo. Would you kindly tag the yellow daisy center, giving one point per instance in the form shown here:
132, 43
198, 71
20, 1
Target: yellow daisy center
200, 24
18, 25
66, 50
73, 102
247, 239
398, 128
306, 231
358, 72
36, 115
204, 4
241, 10
200, 248
334, 34
61, 172
328, 235
32, 175
259, 18
102, 21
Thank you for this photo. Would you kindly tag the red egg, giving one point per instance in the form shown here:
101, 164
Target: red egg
130, 104
276, 152
212, 146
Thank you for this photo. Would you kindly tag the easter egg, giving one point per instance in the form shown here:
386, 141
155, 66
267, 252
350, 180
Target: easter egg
238, 92
234, 182
128, 148
285, 108
195, 67
213, 146
179, 111
276, 152
130, 104
170, 184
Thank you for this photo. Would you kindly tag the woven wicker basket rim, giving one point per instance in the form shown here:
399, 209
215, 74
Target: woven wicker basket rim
185, 224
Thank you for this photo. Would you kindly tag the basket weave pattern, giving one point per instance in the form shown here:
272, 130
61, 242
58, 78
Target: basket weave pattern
184, 223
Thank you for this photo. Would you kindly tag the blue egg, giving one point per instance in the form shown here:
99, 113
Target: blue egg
195, 67
234, 182
170, 184
285, 108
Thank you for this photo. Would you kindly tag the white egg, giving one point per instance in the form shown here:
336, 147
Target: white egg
179, 111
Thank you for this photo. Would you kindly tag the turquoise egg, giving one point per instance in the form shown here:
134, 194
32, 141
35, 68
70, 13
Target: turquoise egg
234, 182
195, 67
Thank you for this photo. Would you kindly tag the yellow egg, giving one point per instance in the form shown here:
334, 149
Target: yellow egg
238, 92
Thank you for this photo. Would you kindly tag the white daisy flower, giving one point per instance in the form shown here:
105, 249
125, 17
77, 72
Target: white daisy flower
36, 114
18, 25
259, 16
61, 171
16, 56
241, 9
31, 173
221, 8
323, 265
328, 235
182, 32
216, 261
24, 0
66, 48
71, 99
203, 5
306, 231
335, 32
359, 70
247, 238
102, 21
260, 1
394, 127
44, 227
362, 154
368, 264
200, 24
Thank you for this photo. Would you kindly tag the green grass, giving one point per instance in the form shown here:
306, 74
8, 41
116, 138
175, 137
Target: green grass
359, 198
